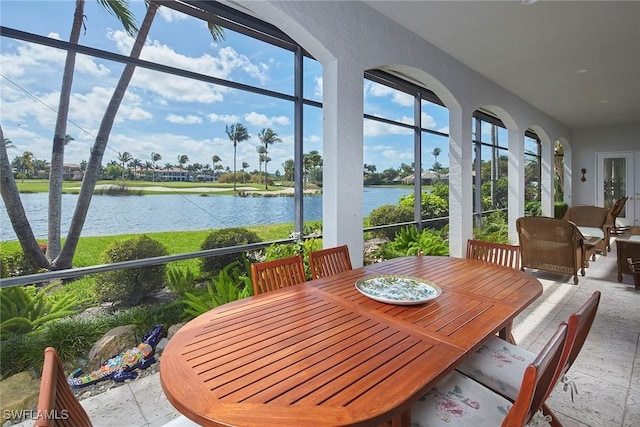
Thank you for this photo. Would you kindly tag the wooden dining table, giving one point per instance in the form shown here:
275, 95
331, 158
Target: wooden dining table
323, 354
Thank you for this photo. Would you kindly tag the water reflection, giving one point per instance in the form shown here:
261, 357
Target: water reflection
110, 215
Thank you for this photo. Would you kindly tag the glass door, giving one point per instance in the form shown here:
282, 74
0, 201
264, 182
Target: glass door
617, 178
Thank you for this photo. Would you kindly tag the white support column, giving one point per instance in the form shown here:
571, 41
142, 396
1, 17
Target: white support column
343, 158
460, 180
516, 181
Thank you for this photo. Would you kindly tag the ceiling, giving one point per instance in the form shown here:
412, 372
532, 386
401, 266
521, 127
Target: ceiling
577, 61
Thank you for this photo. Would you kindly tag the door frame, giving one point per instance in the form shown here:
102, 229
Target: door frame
632, 207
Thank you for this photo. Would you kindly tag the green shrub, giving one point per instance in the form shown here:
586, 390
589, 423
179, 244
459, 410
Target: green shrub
180, 280
431, 206
17, 264
409, 241
225, 238
132, 285
494, 228
559, 209
229, 285
25, 308
299, 247
535, 209
389, 214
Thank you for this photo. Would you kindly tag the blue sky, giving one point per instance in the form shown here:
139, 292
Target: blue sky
171, 115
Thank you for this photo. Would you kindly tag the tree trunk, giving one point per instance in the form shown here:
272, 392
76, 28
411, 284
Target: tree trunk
65, 258
19, 221
57, 152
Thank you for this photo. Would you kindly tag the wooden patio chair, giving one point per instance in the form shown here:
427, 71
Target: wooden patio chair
330, 261
461, 401
494, 253
271, 275
499, 254
57, 405
503, 374
616, 209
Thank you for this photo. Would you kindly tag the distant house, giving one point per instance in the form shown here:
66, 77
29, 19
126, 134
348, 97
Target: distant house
427, 177
71, 172
172, 174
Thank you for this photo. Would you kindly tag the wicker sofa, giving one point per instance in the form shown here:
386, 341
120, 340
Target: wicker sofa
592, 221
551, 244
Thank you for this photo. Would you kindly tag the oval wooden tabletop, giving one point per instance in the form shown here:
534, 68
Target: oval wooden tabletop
321, 353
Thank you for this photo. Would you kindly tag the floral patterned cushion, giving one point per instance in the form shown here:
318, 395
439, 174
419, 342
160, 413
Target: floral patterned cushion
498, 365
459, 401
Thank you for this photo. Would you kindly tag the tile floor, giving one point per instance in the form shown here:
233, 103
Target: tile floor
606, 374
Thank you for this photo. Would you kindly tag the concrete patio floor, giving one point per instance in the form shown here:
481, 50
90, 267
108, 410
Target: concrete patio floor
606, 374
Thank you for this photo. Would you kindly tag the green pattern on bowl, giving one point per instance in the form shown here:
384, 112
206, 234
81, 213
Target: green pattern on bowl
402, 290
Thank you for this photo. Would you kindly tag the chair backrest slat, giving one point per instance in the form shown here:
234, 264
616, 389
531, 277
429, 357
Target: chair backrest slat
539, 379
271, 275
494, 253
579, 325
57, 405
330, 261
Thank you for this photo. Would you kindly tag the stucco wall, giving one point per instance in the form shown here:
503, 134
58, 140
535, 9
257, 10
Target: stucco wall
589, 141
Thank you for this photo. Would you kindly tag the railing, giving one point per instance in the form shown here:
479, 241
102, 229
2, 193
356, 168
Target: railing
73, 273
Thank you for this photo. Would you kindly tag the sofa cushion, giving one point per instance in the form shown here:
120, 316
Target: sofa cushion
591, 232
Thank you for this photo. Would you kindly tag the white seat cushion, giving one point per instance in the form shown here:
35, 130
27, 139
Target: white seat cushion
459, 401
498, 365
591, 232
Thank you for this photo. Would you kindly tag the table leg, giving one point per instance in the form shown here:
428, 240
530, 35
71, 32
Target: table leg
507, 334
402, 419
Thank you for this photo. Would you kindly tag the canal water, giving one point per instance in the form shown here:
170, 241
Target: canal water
111, 215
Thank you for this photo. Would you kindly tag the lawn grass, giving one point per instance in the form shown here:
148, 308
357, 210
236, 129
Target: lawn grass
73, 187
90, 249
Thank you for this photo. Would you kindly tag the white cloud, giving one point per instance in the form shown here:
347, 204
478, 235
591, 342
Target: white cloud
400, 98
184, 120
373, 128
48, 63
427, 121
170, 15
319, 87
224, 118
262, 120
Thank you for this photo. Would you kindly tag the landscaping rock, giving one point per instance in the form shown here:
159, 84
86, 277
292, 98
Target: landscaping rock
19, 392
173, 329
161, 345
113, 342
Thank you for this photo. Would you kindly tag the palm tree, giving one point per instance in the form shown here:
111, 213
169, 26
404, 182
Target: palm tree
9, 191
237, 133
155, 158
83, 167
124, 158
261, 154
245, 165
267, 137
182, 160
288, 166
135, 164
215, 159
7, 143
119, 9
17, 215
